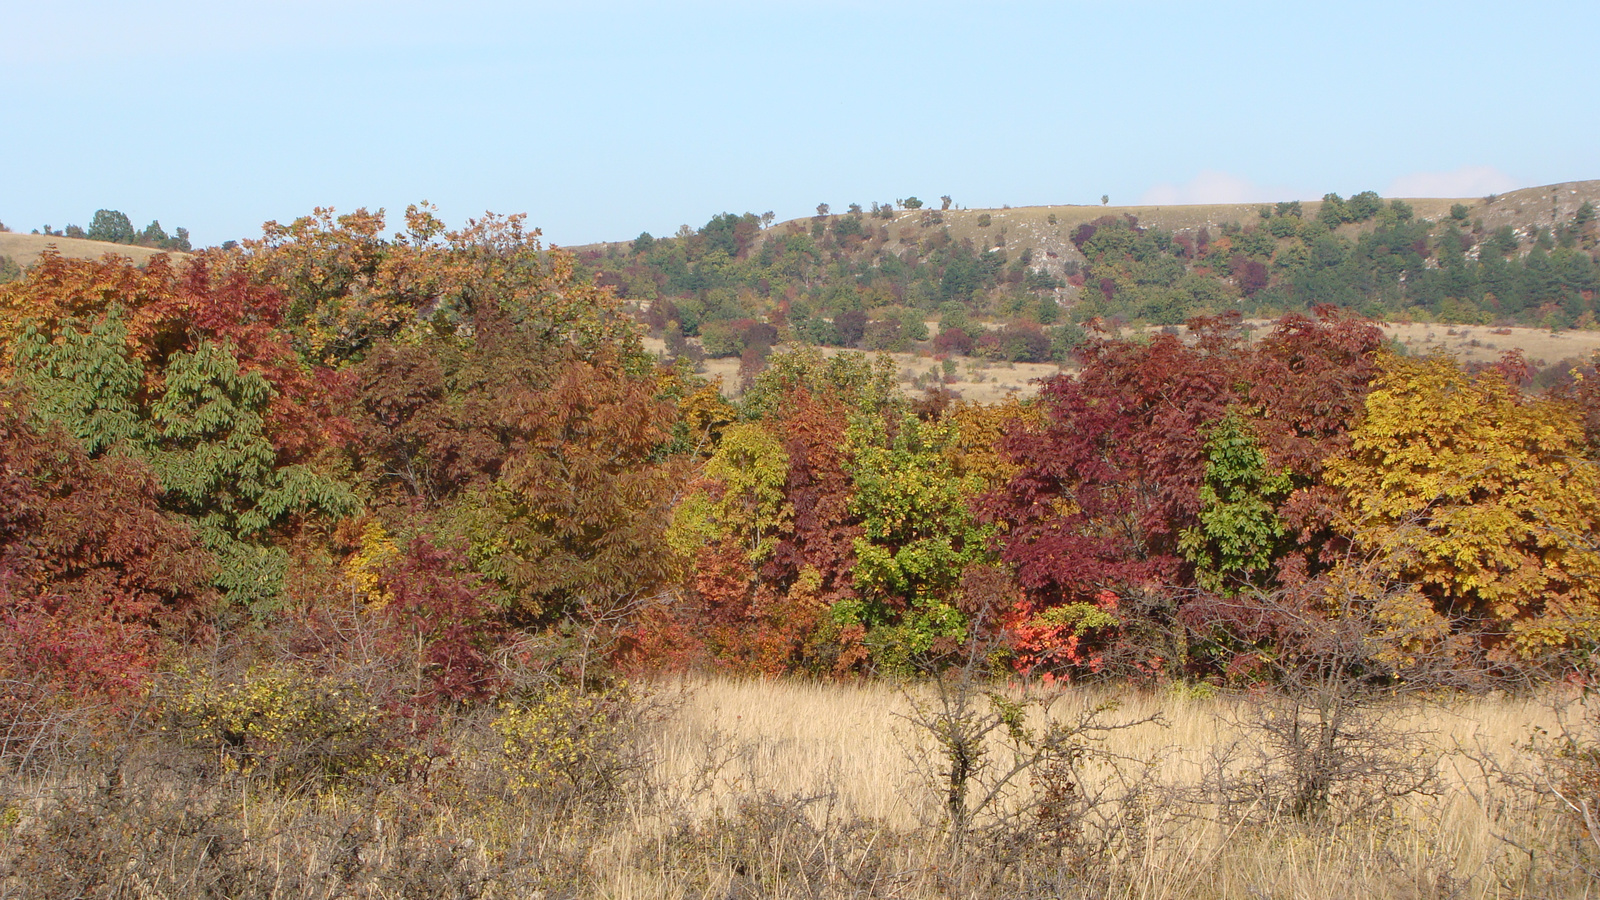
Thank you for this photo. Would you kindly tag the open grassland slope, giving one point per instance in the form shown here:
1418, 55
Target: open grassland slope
24, 249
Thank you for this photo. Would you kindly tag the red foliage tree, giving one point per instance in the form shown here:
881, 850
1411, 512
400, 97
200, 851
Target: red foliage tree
94, 578
1309, 378
444, 619
1251, 275
953, 340
822, 537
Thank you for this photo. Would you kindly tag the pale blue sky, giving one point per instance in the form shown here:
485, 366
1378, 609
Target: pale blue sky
604, 119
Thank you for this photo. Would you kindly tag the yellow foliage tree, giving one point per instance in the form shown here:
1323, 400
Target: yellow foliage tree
1481, 498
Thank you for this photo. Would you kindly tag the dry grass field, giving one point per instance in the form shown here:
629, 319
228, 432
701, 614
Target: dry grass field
977, 380
25, 249
983, 381
720, 788
849, 753
1482, 343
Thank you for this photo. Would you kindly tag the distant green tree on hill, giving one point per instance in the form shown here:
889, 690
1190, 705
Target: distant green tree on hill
1333, 212
112, 226
153, 235
1364, 206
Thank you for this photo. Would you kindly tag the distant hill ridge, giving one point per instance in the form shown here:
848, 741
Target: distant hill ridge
1029, 227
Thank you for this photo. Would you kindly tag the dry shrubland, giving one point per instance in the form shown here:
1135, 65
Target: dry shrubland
788, 788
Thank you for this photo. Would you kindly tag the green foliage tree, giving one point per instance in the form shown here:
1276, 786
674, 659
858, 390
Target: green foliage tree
111, 225
749, 471
1333, 212
211, 452
203, 434
918, 538
1364, 206
1239, 535
153, 235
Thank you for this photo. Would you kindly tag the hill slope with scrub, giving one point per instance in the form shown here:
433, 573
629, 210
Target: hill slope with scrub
1019, 285
360, 562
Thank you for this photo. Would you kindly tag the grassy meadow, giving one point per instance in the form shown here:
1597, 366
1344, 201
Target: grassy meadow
706, 787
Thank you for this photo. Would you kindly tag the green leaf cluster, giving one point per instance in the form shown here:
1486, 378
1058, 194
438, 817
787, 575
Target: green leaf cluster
1240, 533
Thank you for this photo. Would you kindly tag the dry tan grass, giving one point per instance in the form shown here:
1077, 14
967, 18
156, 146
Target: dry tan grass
982, 381
25, 249
851, 744
790, 789
1468, 343
977, 380
1482, 343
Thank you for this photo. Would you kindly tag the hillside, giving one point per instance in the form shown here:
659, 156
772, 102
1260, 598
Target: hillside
1017, 229
1022, 228
1026, 285
416, 533
1029, 227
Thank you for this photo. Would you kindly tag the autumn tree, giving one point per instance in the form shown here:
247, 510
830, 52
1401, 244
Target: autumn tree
185, 373
1483, 498
730, 524
918, 537
95, 579
1307, 382
347, 286
575, 525
1168, 466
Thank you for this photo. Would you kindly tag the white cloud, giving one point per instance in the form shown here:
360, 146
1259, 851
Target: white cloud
1467, 181
1211, 186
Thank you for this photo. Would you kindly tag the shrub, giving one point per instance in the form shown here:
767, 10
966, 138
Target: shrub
442, 620
1025, 785
883, 335
1341, 653
1024, 342
286, 725
567, 745
850, 325
953, 340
